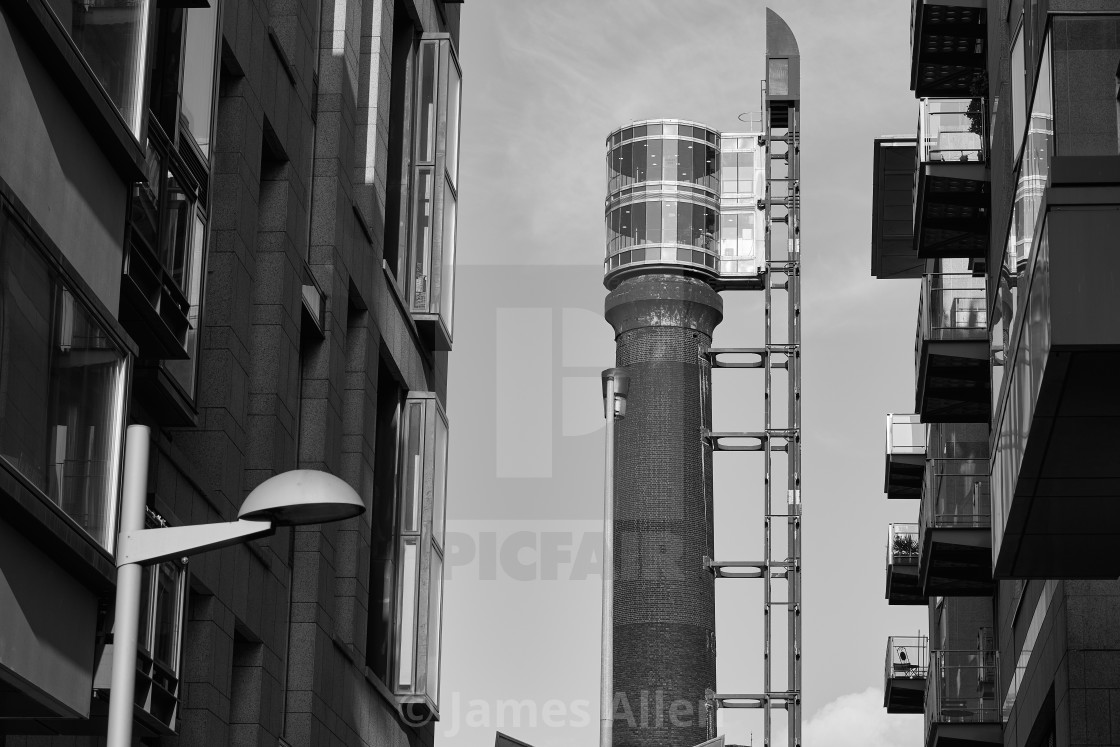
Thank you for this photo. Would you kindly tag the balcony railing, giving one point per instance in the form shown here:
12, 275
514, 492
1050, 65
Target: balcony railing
906, 435
955, 489
952, 307
907, 657
902, 544
963, 687
951, 131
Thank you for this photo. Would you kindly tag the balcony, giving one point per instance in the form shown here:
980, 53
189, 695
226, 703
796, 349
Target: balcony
952, 199
947, 54
904, 678
892, 211
1055, 475
955, 546
906, 456
961, 707
903, 585
951, 350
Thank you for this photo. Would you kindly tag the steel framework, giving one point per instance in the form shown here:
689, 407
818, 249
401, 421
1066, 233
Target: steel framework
781, 352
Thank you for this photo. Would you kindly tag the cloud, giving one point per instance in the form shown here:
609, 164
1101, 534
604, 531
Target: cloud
857, 720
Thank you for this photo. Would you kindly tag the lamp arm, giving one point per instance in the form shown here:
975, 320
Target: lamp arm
164, 543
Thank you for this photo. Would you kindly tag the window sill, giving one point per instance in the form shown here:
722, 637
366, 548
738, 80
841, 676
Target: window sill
64, 63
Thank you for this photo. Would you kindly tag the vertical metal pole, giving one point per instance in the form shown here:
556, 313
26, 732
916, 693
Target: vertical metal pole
768, 424
793, 144
606, 681
126, 620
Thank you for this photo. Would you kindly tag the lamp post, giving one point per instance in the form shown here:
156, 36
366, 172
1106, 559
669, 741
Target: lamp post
295, 497
616, 384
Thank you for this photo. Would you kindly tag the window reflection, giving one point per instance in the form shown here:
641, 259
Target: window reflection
198, 75
112, 37
61, 389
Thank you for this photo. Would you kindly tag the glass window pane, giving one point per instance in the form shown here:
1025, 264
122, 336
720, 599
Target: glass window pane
447, 258
685, 150
406, 616
426, 104
638, 217
669, 165
144, 627
669, 221
454, 96
641, 160
198, 74
654, 156
439, 487
61, 389
435, 618
165, 649
421, 238
684, 223
183, 371
729, 229
412, 469
653, 221
112, 37
178, 212
626, 164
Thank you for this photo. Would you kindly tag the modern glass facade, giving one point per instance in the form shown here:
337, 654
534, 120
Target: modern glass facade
677, 198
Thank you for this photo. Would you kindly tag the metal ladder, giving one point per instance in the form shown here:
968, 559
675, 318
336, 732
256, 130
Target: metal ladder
780, 205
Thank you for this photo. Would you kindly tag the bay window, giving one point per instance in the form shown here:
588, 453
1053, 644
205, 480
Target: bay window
435, 171
62, 388
407, 544
165, 265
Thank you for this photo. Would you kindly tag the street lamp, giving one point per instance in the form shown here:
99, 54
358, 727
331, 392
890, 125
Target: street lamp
287, 499
616, 385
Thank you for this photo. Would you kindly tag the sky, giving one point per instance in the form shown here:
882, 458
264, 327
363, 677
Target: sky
543, 84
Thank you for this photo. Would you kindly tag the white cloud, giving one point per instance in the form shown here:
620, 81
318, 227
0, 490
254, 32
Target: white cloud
856, 720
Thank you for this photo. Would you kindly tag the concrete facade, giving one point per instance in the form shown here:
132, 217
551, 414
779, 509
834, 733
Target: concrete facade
299, 324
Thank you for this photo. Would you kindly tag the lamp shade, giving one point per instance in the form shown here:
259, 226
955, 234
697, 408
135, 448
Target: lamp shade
302, 496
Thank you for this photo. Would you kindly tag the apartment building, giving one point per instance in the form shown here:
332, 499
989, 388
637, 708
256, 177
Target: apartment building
1005, 207
233, 222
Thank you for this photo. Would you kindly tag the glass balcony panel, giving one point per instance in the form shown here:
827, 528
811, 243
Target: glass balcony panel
902, 544
906, 434
907, 657
956, 490
963, 687
951, 130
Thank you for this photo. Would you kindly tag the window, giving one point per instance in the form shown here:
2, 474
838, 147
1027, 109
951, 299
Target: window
62, 388
402, 75
112, 37
406, 575
434, 187
167, 245
159, 642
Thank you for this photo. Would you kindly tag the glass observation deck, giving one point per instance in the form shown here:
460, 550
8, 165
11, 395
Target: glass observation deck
947, 47
952, 199
961, 706
683, 197
951, 357
903, 585
955, 552
906, 456
904, 678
